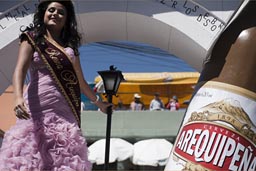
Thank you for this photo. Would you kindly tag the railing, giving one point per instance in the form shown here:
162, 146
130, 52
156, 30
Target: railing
132, 124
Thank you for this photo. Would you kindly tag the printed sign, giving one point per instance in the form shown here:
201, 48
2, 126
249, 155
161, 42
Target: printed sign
14, 15
198, 13
218, 132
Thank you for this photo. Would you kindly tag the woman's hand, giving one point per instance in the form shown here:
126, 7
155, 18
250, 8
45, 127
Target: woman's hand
105, 107
21, 110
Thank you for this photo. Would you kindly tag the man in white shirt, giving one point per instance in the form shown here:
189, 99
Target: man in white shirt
137, 104
156, 103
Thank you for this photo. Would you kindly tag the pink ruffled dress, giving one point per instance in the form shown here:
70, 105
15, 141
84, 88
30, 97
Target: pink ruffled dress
51, 139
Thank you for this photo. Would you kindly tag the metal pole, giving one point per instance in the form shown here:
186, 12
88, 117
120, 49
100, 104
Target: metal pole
108, 133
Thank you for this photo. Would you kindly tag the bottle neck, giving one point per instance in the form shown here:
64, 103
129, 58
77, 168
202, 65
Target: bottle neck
233, 57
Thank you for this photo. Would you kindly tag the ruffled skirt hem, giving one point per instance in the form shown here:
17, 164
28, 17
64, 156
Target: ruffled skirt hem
52, 144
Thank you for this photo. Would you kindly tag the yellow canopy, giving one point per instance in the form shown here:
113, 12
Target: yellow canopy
173, 77
167, 84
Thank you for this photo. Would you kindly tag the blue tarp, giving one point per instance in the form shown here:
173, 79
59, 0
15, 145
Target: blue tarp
128, 57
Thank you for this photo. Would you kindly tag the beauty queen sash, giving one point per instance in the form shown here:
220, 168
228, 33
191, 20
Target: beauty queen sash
62, 71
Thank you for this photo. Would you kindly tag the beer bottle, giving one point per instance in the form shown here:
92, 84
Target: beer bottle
218, 131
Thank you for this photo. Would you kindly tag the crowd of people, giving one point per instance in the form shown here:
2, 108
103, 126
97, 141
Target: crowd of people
156, 104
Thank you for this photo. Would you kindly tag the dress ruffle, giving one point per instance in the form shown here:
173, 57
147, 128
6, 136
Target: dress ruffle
53, 144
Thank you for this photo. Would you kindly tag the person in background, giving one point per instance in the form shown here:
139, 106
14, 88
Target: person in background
173, 104
156, 103
120, 105
47, 134
137, 104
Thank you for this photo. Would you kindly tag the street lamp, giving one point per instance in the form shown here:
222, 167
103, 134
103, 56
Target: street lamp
111, 81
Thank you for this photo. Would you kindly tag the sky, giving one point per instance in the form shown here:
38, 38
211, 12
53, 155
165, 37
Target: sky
128, 57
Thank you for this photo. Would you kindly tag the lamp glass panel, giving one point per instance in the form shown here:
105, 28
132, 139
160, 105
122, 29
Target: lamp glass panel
111, 80
118, 80
109, 83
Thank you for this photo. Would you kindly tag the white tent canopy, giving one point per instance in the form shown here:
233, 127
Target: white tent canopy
120, 150
151, 152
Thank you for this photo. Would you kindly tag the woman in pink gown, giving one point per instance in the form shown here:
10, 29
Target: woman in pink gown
47, 135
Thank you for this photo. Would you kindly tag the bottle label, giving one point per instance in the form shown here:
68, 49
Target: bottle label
218, 131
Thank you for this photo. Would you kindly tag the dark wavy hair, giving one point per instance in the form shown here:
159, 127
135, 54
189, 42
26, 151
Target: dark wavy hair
69, 35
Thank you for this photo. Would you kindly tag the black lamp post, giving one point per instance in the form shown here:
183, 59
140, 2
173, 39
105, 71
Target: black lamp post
111, 81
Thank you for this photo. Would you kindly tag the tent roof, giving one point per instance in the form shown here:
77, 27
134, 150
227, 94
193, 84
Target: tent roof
159, 77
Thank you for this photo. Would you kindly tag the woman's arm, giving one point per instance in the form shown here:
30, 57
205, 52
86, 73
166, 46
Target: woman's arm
86, 89
23, 62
